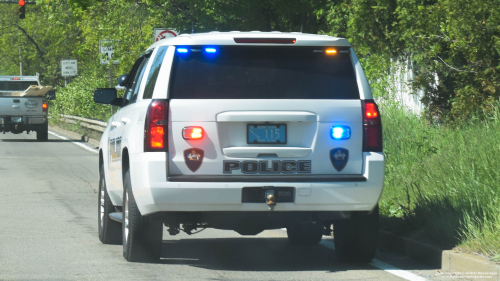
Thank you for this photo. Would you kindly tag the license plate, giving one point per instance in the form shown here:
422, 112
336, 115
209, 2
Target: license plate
265, 133
16, 119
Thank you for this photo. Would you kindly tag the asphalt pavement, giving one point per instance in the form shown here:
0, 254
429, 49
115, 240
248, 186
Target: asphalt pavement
48, 231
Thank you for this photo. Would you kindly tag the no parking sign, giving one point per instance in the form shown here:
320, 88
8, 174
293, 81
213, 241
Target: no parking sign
162, 33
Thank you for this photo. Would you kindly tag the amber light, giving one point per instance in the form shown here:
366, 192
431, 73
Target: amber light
331, 51
192, 133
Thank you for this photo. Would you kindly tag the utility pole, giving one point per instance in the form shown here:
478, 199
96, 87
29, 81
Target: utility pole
21, 60
111, 81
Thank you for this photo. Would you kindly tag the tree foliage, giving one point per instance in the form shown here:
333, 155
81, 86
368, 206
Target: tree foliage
453, 44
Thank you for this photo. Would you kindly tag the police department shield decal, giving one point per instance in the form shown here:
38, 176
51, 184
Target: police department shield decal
193, 158
339, 157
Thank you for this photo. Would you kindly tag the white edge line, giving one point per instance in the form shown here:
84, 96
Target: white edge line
396, 271
74, 142
384, 266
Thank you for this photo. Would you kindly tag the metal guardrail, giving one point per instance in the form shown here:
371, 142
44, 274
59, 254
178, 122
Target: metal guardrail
84, 122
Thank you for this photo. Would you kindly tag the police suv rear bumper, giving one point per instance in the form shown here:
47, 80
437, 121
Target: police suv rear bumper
153, 193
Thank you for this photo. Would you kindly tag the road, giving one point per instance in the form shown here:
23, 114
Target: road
48, 231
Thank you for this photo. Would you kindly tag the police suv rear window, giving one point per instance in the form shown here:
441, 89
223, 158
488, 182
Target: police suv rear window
248, 72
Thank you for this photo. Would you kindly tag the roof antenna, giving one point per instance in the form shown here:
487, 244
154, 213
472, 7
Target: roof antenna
301, 27
192, 27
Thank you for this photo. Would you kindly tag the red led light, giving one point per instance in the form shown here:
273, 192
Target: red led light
371, 110
192, 133
266, 40
45, 106
22, 2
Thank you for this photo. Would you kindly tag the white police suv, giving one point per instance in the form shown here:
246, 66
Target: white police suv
244, 131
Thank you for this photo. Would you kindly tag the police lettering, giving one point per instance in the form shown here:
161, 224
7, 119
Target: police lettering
231, 165
267, 167
250, 167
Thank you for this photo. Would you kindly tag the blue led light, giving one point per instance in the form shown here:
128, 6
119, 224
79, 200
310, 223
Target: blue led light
340, 132
182, 50
211, 50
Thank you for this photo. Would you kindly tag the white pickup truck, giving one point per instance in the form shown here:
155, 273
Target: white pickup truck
23, 111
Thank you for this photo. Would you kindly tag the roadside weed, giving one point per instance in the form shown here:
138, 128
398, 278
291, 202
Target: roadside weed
442, 181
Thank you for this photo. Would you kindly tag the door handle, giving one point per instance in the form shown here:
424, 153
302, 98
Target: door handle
125, 120
16, 106
115, 124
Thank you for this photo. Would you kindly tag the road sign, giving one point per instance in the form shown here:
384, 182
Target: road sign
106, 49
162, 33
69, 68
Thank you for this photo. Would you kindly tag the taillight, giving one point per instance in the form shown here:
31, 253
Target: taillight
372, 127
45, 106
156, 126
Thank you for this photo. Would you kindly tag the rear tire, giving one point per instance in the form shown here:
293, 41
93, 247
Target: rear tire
356, 239
110, 231
43, 133
305, 234
142, 235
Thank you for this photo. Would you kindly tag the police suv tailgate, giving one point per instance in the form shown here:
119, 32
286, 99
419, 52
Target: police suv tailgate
228, 146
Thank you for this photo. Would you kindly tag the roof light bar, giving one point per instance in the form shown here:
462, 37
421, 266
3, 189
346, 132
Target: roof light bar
266, 40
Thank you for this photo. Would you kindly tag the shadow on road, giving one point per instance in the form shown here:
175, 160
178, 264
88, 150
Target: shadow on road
254, 254
25, 140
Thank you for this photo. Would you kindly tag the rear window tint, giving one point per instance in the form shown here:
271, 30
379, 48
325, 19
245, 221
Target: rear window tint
16, 85
243, 72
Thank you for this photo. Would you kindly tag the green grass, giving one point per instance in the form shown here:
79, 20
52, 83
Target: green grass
442, 182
